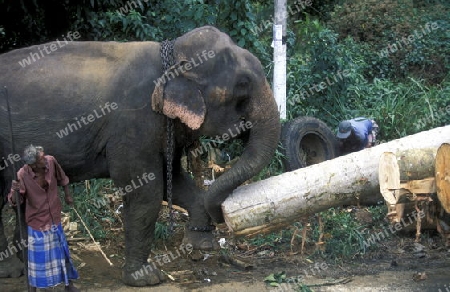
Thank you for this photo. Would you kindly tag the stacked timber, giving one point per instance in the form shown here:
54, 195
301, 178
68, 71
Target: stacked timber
404, 177
408, 182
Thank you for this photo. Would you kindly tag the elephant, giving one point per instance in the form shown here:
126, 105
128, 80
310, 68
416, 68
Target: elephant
110, 110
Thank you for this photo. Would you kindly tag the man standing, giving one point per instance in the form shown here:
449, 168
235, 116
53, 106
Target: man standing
49, 262
356, 134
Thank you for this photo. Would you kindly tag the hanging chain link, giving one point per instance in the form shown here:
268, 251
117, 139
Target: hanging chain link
168, 60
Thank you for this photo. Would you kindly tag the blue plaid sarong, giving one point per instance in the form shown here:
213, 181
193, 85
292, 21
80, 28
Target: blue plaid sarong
49, 262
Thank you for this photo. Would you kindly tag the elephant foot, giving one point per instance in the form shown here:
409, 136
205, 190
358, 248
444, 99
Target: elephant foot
200, 240
142, 275
11, 267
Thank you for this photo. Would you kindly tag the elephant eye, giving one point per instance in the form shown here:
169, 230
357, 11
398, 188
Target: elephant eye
242, 88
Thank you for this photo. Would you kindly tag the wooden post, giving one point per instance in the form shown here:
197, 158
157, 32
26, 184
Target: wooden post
279, 56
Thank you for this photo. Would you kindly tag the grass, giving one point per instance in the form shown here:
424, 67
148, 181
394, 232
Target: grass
100, 208
340, 232
96, 204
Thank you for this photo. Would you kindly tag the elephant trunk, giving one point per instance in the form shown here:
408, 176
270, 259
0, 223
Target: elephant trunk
258, 152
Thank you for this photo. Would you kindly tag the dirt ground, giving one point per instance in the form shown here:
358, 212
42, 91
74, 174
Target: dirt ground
397, 265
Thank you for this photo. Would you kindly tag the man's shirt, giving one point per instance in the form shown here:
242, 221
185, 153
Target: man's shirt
361, 129
42, 206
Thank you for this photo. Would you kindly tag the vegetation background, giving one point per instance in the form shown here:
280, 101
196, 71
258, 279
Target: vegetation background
406, 89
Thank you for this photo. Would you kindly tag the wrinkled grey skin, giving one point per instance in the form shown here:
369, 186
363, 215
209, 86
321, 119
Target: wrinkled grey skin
226, 88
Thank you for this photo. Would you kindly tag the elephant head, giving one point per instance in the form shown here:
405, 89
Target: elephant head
218, 88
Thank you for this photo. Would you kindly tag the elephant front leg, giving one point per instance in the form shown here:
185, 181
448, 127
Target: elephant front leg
141, 208
198, 231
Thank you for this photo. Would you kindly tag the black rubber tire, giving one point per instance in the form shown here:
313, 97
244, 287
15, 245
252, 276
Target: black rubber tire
307, 136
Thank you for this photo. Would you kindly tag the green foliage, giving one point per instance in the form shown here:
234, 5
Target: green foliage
344, 239
320, 71
97, 201
402, 109
342, 232
371, 20
162, 231
274, 240
275, 167
94, 207
386, 26
405, 92
343, 235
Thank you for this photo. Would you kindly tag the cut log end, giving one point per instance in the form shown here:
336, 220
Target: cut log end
416, 164
389, 177
412, 170
442, 175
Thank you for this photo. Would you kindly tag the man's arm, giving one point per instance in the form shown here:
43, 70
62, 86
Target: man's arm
67, 196
369, 140
63, 181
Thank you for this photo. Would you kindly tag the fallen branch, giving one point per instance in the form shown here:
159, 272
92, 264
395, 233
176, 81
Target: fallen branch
92, 237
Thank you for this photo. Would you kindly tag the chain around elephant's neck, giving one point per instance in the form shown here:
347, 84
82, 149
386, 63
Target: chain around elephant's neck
167, 56
168, 60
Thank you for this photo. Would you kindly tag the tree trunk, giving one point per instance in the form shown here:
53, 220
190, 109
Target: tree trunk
443, 176
276, 202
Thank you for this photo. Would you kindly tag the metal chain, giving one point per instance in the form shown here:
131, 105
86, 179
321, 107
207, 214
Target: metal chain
168, 60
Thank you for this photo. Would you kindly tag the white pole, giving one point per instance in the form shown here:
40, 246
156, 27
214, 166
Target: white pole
279, 56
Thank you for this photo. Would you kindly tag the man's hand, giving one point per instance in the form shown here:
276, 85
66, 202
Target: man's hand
69, 200
15, 187
68, 197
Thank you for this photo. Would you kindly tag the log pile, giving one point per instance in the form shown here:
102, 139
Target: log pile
406, 176
408, 185
274, 203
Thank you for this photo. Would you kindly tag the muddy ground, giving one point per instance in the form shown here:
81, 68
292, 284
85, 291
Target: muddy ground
397, 264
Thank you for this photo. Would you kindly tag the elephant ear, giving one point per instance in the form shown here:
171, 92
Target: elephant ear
180, 98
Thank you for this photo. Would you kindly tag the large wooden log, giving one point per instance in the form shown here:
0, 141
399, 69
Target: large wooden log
443, 176
276, 202
416, 164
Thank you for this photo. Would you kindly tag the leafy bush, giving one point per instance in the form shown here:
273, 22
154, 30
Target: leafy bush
93, 201
371, 20
387, 26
